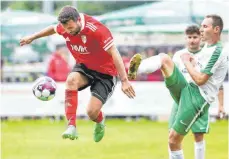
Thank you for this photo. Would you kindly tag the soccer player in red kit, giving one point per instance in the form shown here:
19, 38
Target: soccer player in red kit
98, 63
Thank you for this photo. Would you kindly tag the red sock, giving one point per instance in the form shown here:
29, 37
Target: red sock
71, 102
99, 118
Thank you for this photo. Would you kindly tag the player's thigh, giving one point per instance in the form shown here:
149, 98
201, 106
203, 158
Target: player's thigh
103, 88
76, 80
173, 115
80, 77
175, 83
167, 65
201, 125
191, 106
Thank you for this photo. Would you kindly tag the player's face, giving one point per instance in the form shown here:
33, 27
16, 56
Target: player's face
72, 27
207, 30
193, 41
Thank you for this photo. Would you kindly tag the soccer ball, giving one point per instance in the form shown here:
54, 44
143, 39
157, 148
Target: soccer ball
44, 88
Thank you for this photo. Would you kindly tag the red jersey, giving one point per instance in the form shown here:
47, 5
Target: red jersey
90, 45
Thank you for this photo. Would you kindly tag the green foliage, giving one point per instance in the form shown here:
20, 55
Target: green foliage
25, 5
89, 7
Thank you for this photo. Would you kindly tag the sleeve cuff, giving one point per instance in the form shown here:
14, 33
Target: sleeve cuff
108, 45
207, 72
55, 28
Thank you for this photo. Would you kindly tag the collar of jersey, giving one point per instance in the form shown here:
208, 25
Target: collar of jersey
195, 52
82, 21
214, 44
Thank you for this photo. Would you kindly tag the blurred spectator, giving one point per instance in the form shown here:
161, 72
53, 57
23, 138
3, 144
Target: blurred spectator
59, 64
58, 67
126, 61
150, 52
170, 51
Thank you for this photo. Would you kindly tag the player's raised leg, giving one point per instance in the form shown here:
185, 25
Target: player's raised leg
151, 64
175, 82
74, 81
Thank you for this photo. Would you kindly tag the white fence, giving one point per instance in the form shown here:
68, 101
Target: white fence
152, 99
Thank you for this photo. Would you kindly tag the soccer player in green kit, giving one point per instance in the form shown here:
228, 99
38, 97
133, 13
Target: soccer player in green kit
194, 96
201, 125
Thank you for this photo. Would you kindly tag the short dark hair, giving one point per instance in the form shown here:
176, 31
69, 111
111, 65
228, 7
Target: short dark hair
68, 13
192, 29
217, 21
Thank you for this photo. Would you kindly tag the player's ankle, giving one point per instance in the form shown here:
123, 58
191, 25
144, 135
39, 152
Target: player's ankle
72, 124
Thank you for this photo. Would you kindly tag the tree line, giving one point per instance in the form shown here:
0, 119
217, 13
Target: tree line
89, 7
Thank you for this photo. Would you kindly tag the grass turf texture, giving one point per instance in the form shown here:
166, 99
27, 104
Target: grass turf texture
41, 139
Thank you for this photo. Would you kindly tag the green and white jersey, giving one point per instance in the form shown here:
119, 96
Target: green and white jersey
211, 60
180, 65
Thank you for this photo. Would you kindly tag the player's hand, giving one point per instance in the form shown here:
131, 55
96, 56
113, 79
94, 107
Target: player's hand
26, 40
128, 89
221, 112
186, 57
193, 62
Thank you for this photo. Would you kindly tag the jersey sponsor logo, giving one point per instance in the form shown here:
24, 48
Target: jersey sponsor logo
183, 123
84, 38
79, 48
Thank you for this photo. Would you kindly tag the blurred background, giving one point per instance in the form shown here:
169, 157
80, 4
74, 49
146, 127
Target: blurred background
147, 27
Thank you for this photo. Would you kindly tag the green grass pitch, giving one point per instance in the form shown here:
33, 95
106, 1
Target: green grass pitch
41, 139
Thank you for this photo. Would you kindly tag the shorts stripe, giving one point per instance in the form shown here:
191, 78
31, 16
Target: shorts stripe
99, 97
195, 117
113, 87
207, 129
114, 80
84, 73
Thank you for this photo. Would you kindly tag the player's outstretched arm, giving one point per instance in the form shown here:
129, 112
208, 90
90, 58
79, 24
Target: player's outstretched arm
199, 78
126, 86
45, 32
221, 112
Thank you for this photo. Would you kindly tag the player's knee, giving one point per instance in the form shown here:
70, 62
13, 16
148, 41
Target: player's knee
72, 83
173, 139
92, 114
199, 137
165, 59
